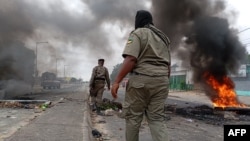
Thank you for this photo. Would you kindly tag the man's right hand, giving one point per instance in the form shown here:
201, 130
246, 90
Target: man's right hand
114, 90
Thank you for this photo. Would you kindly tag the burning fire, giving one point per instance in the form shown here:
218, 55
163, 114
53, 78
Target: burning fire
226, 96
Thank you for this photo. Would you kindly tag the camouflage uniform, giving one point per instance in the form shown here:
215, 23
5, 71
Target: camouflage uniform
148, 84
100, 76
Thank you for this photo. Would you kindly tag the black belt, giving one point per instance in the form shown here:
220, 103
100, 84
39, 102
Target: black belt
136, 73
99, 78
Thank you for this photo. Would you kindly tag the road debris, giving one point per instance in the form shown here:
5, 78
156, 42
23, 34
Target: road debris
96, 133
26, 104
111, 104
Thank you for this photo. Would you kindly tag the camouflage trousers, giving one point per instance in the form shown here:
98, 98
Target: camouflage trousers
99, 88
146, 96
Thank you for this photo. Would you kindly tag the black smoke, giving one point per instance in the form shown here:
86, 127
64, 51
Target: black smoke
176, 17
201, 35
16, 69
217, 48
68, 30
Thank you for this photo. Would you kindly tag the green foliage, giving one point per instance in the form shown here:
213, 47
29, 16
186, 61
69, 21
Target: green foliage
248, 59
106, 106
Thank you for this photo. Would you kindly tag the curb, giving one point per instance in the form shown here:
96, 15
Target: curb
87, 124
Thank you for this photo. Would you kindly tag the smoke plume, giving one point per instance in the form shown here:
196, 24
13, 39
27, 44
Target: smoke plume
76, 33
16, 68
201, 34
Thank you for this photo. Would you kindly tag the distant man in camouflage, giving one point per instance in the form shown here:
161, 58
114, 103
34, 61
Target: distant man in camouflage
147, 59
99, 78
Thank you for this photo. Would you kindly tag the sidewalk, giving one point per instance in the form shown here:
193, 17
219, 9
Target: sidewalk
67, 120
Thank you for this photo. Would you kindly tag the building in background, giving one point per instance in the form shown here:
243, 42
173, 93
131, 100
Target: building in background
181, 78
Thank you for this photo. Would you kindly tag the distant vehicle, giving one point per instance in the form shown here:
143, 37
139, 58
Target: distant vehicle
49, 81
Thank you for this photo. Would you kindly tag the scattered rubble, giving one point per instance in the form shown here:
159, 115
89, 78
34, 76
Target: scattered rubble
26, 104
11, 105
209, 115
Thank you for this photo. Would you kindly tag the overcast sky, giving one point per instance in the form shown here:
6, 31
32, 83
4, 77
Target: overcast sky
79, 32
243, 20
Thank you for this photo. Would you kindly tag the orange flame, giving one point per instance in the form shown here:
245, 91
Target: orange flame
226, 96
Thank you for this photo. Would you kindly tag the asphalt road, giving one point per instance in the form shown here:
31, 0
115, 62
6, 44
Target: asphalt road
67, 119
181, 127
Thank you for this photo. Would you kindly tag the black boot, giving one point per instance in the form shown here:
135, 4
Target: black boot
98, 111
93, 107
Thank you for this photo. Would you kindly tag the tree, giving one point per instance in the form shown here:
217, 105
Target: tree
248, 59
115, 71
73, 79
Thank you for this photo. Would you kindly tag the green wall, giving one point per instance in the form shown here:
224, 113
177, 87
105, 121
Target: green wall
178, 82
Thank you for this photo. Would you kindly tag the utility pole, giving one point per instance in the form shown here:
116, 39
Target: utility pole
243, 30
36, 71
64, 70
56, 65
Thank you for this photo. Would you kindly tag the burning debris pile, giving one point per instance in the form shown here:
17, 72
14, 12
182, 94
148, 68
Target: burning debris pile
203, 36
225, 95
217, 53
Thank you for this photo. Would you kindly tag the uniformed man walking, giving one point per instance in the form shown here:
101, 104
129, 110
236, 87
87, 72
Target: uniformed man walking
99, 78
147, 59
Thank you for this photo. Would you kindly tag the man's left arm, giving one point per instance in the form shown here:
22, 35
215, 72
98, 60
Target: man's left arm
107, 78
91, 82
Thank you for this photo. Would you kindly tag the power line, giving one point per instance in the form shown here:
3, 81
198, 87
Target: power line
243, 30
